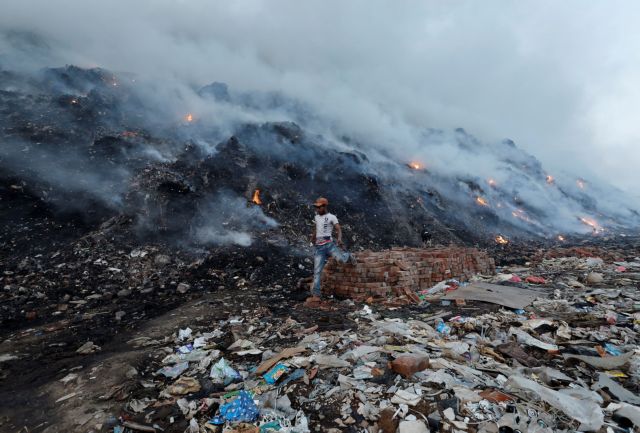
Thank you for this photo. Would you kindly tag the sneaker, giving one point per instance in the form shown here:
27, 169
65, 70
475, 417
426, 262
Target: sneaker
313, 302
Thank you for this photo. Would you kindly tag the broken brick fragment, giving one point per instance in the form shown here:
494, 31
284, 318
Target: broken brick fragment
408, 365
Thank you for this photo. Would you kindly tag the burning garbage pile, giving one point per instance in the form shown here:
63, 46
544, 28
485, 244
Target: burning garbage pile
114, 220
162, 169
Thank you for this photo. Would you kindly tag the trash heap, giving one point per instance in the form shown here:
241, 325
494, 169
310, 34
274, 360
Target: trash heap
567, 361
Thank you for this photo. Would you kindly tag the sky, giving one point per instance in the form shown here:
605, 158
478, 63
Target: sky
561, 79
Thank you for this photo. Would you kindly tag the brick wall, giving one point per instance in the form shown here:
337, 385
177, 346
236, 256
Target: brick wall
403, 271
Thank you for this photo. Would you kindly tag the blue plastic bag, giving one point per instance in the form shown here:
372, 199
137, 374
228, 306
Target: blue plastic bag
443, 328
242, 409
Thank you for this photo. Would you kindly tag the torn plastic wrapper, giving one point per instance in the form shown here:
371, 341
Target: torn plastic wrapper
175, 370
273, 375
588, 413
527, 339
608, 363
618, 391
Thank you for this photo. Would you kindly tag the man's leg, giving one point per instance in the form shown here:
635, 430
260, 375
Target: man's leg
319, 260
341, 256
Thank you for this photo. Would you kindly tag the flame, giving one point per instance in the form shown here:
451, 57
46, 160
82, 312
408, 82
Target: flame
415, 165
129, 134
561, 238
74, 101
256, 197
520, 214
501, 240
550, 179
188, 118
581, 183
591, 223
482, 201
492, 182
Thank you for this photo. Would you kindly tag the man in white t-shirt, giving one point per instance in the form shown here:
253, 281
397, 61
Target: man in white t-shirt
325, 247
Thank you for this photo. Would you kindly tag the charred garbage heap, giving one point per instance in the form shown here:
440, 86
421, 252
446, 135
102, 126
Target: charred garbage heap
401, 272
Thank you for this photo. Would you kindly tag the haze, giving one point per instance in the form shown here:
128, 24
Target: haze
559, 78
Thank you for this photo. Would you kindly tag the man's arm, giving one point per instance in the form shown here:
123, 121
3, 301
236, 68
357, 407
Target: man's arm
338, 234
313, 237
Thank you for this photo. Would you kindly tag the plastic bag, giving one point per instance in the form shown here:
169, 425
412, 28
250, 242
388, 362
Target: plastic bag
588, 413
223, 373
184, 334
242, 409
175, 370
443, 328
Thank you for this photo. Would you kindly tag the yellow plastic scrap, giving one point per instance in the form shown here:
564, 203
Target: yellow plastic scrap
615, 373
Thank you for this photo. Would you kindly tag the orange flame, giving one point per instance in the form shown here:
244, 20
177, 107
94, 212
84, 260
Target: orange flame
501, 240
482, 201
188, 118
256, 197
520, 214
415, 165
581, 183
550, 179
591, 223
492, 182
561, 238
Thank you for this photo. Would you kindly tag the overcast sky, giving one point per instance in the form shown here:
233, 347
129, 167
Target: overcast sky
561, 78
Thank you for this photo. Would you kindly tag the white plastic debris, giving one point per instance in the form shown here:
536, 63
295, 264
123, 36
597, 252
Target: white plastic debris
525, 338
405, 397
416, 426
586, 412
184, 334
330, 361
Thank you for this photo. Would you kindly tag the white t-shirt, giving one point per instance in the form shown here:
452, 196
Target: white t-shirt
324, 227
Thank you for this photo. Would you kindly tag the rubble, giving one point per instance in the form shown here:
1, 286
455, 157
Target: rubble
535, 369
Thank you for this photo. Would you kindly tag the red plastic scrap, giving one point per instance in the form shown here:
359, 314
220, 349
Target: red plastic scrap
495, 396
535, 280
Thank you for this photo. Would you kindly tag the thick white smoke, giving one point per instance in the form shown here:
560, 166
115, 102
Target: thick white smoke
547, 75
556, 77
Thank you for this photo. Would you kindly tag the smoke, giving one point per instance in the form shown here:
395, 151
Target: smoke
67, 179
557, 78
394, 81
226, 219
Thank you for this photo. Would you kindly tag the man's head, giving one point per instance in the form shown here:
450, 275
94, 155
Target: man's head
321, 205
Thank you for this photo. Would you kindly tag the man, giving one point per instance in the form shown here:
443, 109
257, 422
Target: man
325, 247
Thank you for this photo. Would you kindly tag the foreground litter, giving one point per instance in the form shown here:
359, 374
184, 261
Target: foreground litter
567, 361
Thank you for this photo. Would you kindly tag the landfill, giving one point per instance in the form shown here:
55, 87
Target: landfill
155, 263
566, 362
